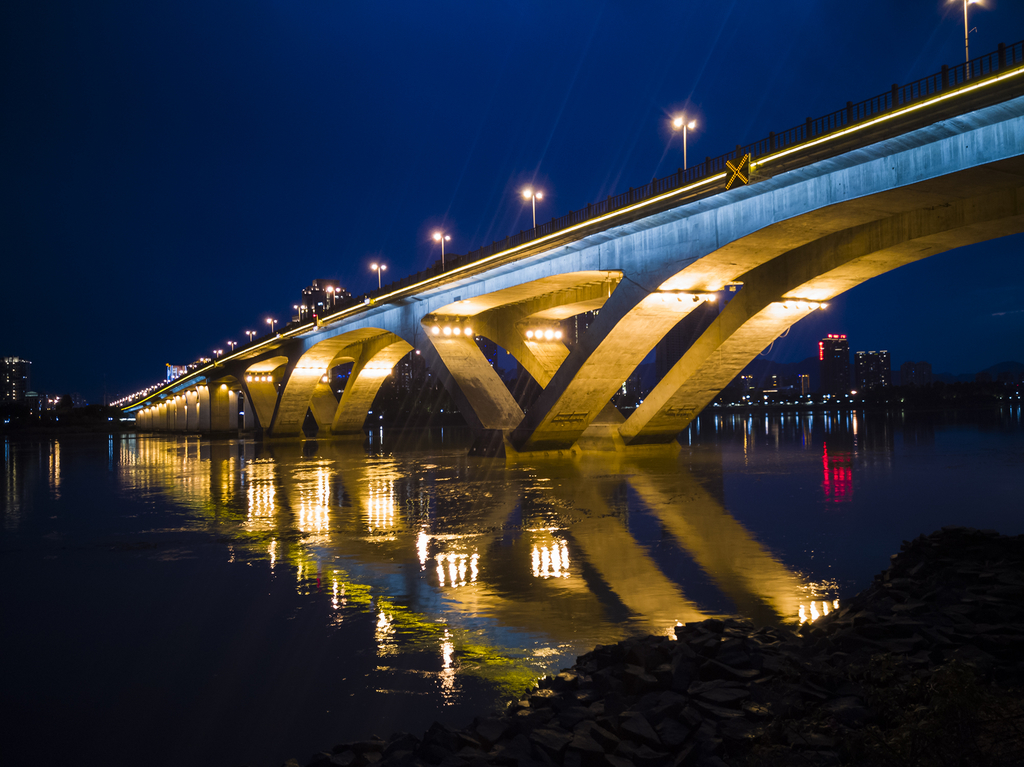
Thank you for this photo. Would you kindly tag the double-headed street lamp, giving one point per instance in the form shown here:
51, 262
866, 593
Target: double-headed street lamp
680, 123
378, 268
533, 195
271, 321
232, 344
250, 333
442, 238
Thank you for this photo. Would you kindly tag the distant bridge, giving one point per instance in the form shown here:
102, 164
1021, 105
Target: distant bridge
777, 226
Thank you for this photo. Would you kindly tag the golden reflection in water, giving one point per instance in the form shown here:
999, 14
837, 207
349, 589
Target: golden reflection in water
551, 560
422, 540
380, 503
54, 468
314, 501
260, 494
387, 644
337, 593
811, 612
462, 569
272, 551
447, 667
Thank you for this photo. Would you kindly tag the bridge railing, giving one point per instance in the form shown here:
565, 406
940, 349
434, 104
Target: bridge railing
949, 78
899, 96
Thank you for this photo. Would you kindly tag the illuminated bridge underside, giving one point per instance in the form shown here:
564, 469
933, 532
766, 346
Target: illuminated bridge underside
806, 234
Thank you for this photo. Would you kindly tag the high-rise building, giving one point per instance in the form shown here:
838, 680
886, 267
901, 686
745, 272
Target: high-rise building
834, 357
915, 374
15, 379
872, 370
803, 382
576, 326
320, 298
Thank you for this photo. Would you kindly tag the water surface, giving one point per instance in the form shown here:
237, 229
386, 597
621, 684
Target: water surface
182, 600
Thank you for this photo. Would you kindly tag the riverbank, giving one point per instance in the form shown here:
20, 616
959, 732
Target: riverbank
924, 667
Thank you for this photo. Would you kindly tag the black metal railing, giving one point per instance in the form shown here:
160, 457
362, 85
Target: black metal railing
949, 78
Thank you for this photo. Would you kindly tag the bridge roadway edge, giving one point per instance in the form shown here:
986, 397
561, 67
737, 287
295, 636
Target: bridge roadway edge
654, 251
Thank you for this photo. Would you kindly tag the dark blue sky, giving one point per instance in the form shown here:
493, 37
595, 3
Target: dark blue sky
173, 173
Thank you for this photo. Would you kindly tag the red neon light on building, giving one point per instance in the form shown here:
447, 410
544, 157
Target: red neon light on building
821, 350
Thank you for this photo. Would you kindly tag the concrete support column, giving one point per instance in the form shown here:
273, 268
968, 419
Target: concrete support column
262, 394
204, 409
323, 404
482, 397
180, 413
192, 410
218, 418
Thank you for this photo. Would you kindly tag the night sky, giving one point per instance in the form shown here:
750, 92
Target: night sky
174, 173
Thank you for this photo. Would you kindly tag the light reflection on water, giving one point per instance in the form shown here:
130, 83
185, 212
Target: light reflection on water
477, 574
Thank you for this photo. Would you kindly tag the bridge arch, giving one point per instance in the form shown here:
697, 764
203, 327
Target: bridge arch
373, 353
778, 294
931, 169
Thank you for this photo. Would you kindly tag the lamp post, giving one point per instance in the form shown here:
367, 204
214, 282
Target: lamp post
250, 333
533, 195
232, 344
680, 123
378, 268
271, 322
967, 50
218, 352
442, 238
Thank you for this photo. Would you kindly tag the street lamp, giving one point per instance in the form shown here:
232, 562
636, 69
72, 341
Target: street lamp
967, 51
534, 195
218, 352
250, 333
232, 344
271, 322
378, 268
442, 238
679, 123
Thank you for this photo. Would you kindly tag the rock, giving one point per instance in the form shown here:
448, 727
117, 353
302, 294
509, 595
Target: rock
942, 626
634, 725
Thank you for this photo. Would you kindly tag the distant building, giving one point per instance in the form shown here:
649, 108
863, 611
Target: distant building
872, 370
915, 374
176, 371
574, 328
804, 383
834, 357
319, 299
15, 379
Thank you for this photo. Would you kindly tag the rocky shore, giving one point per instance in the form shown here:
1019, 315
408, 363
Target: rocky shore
924, 667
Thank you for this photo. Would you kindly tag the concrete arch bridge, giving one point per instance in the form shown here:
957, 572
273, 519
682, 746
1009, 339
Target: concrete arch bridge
796, 226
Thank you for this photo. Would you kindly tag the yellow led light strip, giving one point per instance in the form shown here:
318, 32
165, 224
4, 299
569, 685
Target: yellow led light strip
505, 253
888, 116
703, 182
220, 361
344, 313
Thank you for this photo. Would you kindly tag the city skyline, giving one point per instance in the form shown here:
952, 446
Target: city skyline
178, 175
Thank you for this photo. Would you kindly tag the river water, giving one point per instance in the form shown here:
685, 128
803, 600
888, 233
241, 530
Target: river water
179, 600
